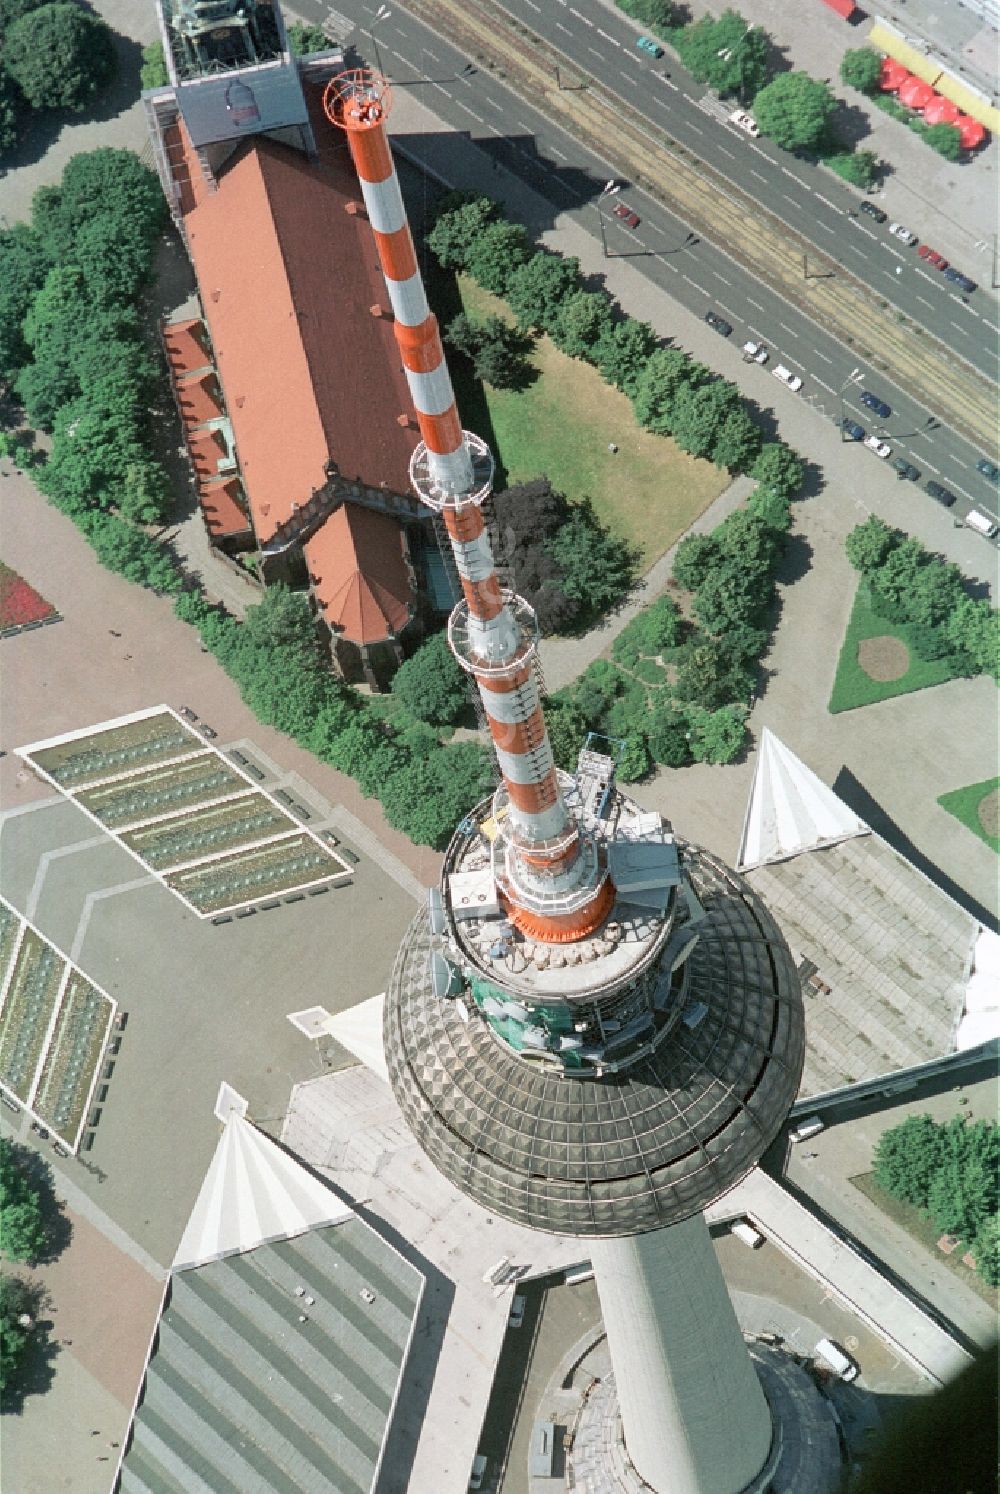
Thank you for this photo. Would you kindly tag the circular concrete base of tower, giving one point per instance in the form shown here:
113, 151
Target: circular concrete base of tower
805, 1448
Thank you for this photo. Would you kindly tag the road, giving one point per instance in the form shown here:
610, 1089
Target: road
696, 273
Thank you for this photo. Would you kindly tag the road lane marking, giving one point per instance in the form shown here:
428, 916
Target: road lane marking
759, 175
832, 206
818, 354
790, 330
586, 21
752, 302
608, 38
960, 462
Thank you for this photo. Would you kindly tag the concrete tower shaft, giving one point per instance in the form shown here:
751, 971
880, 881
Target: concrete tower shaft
553, 884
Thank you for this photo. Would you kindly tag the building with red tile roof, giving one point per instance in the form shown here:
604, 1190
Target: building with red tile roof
292, 382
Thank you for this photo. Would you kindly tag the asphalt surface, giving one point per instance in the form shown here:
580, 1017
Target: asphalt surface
695, 272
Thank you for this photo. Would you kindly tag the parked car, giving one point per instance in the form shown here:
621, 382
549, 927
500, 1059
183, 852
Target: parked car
646, 44
755, 352
880, 448
745, 122
789, 379
905, 469
851, 429
718, 324
477, 1472
517, 1310
902, 233
940, 495
962, 281
873, 402
873, 211
932, 257
630, 218
988, 469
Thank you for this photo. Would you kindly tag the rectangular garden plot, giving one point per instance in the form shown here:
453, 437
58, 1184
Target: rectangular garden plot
159, 792
119, 748
10, 922
69, 1070
207, 832
31, 998
232, 881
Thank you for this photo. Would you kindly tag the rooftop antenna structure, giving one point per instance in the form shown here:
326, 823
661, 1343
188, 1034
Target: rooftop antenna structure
591, 1029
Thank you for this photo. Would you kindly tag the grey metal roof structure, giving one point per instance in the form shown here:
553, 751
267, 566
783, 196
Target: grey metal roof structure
888, 958
272, 1373
631, 1151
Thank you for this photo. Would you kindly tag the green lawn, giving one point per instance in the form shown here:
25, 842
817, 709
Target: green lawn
852, 687
922, 1229
964, 804
649, 491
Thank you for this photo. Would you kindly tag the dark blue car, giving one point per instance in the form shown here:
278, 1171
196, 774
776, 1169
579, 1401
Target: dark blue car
873, 402
852, 430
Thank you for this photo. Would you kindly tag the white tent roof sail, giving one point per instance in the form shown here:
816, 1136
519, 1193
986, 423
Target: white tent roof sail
359, 1030
790, 809
253, 1192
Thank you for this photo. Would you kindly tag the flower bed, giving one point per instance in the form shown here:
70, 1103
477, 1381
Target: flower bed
221, 827
284, 865
10, 922
20, 604
120, 749
24, 1022
162, 791
68, 1072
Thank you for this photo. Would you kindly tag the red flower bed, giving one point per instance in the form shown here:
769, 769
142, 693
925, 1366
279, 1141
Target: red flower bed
19, 602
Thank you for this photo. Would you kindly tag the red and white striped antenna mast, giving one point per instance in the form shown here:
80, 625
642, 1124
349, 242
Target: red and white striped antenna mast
550, 874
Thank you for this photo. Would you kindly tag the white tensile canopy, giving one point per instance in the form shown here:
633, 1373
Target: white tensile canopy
253, 1192
790, 809
359, 1030
981, 1022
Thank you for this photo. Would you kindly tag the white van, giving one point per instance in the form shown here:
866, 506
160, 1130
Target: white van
744, 1230
811, 1126
834, 1358
980, 523
478, 1472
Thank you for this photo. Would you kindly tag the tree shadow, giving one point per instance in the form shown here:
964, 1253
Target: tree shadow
849, 125
35, 1369
38, 1172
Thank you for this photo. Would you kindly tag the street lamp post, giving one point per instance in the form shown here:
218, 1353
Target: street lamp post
609, 190
382, 14
852, 378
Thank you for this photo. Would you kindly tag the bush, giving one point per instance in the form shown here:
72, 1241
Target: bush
303, 39
458, 226
23, 1236
946, 139
696, 556
668, 734
861, 68
60, 56
11, 112
717, 736
496, 350
153, 73
495, 253
634, 760
658, 15
857, 167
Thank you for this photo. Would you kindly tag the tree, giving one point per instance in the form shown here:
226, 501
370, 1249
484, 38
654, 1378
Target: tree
709, 675
699, 414
907, 1157
737, 440
861, 68
752, 547
622, 352
16, 1302
369, 752
303, 39
13, 10
458, 227
657, 626
114, 259
582, 319
537, 289
657, 385
23, 1236
596, 690
432, 685
696, 555
567, 729
772, 508
658, 15
131, 553
667, 734
153, 73
986, 1250
102, 183
11, 112
729, 596
795, 111
60, 56
897, 579
868, 545
24, 265
718, 736
936, 593
428, 798
945, 139
778, 468
528, 515
495, 253
973, 628
729, 54
597, 568
496, 349
634, 761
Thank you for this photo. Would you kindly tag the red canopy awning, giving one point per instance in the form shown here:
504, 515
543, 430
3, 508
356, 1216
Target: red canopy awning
894, 74
915, 93
941, 111
971, 131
